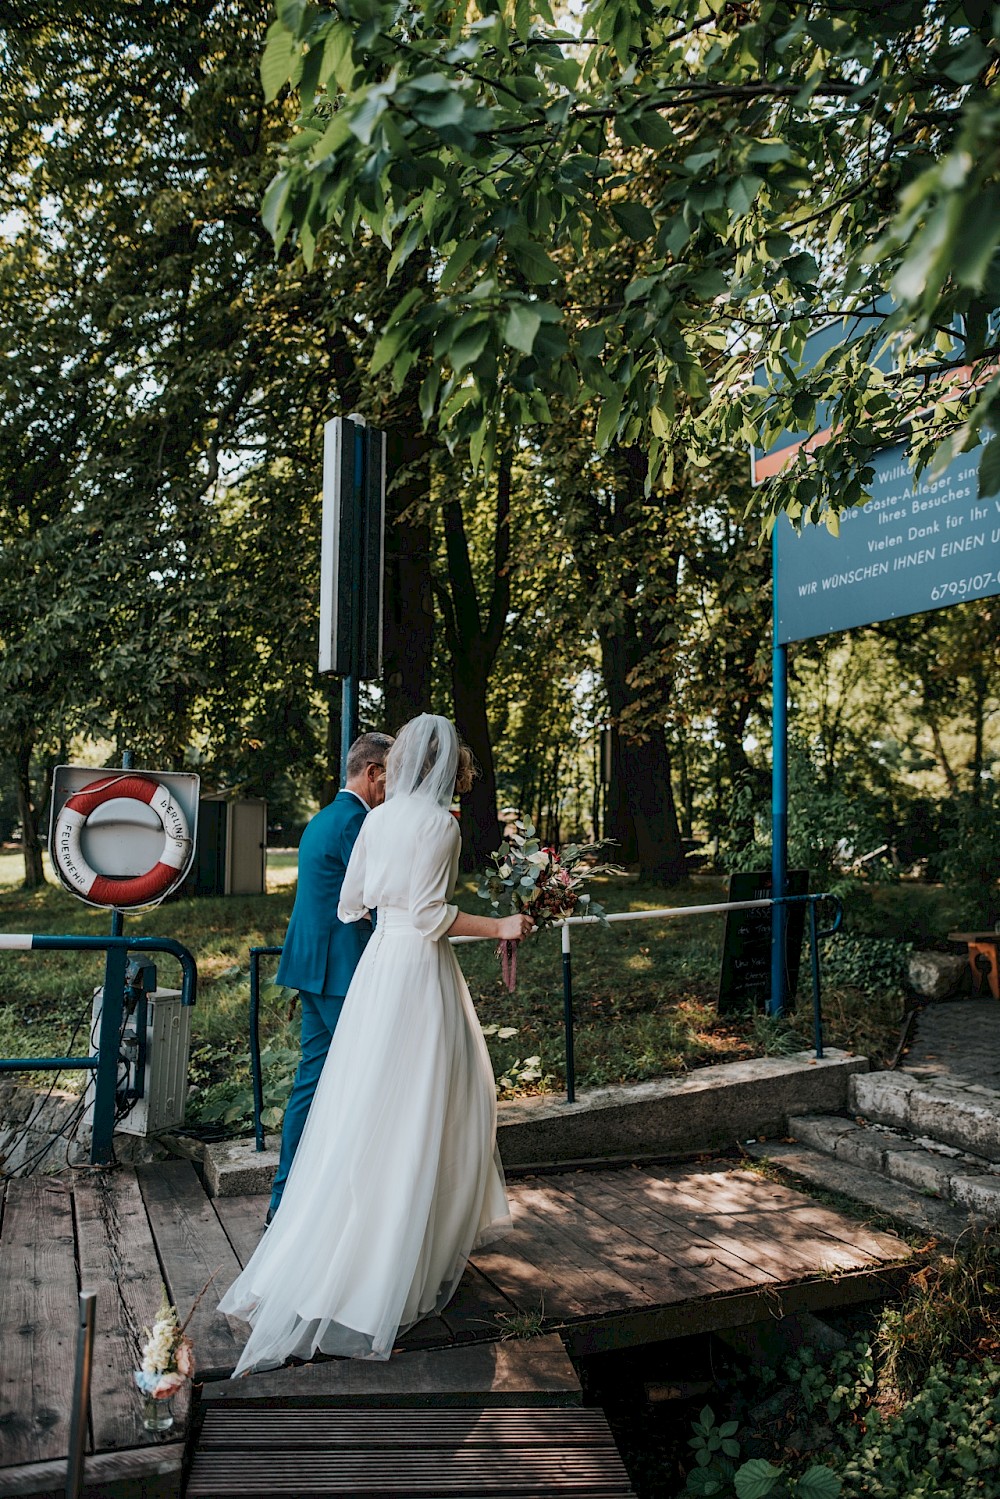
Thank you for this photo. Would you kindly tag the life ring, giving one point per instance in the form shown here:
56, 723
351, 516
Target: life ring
131, 890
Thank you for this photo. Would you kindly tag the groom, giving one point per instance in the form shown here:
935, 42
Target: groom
321, 952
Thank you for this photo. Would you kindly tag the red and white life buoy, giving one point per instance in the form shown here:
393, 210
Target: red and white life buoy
129, 890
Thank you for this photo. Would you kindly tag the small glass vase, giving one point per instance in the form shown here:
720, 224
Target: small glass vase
158, 1415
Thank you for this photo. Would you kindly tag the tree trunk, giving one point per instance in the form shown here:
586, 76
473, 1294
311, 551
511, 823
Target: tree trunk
618, 823
473, 647
640, 813
480, 825
951, 779
686, 793
408, 620
34, 874
742, 828
598, 786
639, 809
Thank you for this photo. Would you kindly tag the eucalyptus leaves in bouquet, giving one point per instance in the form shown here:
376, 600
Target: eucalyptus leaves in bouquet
544, 883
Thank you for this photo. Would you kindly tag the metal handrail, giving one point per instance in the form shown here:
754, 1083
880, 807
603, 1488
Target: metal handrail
104, 1062
256, 953
43, 942
816, 934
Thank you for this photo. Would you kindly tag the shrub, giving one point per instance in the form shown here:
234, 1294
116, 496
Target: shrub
942, 1443
872, 964
952, 1308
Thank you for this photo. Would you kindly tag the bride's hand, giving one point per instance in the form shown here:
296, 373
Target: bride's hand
513, 928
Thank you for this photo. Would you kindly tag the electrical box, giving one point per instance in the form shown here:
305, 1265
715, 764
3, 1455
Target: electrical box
162, 1085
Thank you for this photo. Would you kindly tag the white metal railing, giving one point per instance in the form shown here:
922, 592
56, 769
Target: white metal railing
661, 913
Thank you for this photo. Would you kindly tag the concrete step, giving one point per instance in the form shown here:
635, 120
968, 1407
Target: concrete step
965, 1116
969, 1181
706, 1109
887, 1197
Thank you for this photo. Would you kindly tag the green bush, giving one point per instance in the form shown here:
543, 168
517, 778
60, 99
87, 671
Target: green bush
951, 1309
872, 964
828, 827
971, 862
942, 1443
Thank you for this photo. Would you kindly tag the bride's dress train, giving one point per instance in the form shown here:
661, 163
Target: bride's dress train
396, 1179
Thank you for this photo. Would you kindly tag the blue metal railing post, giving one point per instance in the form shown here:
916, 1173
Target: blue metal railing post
567, 968
817, 937
256, 1076
118, 917
108, 1048
348, 721
779, 797
814, 960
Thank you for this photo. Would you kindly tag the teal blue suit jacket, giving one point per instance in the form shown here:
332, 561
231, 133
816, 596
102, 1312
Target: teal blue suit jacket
321, 952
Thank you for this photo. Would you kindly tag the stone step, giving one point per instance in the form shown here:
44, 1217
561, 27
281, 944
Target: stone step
969, 1181
886, 1197
965, 1116
708, 1108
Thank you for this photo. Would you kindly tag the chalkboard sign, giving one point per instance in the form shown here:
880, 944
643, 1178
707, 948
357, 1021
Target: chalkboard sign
746, 950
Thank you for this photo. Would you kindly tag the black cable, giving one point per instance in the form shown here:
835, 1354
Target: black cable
34, 1113
120, 1113
76, 1114
28, 1165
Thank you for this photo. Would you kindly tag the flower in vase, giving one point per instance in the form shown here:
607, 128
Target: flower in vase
160, 1386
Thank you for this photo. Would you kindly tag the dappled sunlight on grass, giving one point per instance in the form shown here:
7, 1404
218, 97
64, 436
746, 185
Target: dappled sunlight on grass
644, 991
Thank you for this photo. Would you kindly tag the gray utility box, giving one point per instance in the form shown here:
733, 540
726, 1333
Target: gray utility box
168, 1049
231, 857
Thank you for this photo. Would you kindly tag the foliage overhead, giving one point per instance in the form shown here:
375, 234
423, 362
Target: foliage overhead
776, 169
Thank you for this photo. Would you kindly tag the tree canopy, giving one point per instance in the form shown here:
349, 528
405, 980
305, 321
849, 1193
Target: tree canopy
594, 609
775, 168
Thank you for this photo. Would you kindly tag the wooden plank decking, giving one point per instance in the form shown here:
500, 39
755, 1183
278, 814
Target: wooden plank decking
609, 1258
449, 1454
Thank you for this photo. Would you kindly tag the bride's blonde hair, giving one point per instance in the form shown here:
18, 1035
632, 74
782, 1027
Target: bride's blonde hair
467, 770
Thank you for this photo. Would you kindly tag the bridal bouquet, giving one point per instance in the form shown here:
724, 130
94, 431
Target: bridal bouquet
167, 1355
545, 883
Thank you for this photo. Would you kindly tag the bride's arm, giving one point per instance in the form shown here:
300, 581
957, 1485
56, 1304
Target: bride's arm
431, 880
499, 928
351, 906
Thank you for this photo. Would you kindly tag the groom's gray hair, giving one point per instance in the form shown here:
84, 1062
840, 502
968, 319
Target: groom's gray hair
369, 749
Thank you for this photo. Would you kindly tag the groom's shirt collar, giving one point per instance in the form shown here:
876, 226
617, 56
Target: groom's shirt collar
344, 791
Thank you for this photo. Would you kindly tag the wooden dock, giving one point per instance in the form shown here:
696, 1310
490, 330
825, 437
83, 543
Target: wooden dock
605, 1258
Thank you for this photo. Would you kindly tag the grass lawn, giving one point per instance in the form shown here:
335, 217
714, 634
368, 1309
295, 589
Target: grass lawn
644, 992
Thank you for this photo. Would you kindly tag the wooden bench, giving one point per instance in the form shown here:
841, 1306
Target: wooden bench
983, 958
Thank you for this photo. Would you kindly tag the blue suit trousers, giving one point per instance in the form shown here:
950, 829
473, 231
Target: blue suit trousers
320, 1013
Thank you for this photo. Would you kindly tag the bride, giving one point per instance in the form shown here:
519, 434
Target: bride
397, 1177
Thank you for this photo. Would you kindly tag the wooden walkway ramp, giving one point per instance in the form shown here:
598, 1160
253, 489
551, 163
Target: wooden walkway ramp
605, 1258
438, 1454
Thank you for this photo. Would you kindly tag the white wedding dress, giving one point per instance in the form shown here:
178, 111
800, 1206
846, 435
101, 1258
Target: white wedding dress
396, 1178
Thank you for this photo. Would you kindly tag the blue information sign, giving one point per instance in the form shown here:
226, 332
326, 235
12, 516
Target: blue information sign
914, 546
